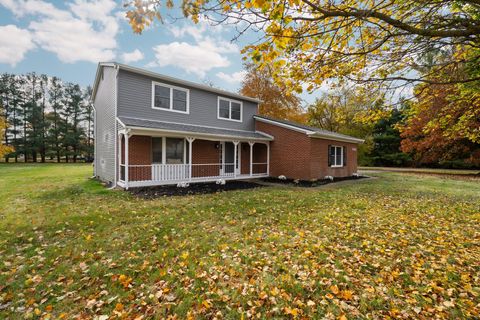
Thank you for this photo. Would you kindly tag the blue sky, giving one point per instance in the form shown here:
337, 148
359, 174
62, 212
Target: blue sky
68, 38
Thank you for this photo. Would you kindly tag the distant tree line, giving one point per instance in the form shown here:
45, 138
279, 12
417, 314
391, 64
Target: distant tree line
45, 119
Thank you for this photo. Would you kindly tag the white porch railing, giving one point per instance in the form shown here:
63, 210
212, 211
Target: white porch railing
157, 174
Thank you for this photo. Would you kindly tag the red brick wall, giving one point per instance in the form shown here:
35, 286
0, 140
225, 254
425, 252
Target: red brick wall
204, 151
319, 159
245, 158
139, 153
289, 152
259, 156
298, 156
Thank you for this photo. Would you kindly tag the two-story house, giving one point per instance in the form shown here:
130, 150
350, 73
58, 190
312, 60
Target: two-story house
152, 129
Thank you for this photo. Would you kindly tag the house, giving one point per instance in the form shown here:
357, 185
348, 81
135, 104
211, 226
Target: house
151, 129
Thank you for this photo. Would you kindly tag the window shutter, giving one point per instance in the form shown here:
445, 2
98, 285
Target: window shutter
344, 156
328, 155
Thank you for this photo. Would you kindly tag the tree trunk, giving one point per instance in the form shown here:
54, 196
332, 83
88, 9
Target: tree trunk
43, 148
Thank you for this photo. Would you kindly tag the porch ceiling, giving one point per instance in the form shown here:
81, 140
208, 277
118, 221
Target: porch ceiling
143, 126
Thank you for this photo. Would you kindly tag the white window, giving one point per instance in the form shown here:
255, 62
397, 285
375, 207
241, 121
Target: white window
171, 98
335, 156
167, 150
157, 150
229, 109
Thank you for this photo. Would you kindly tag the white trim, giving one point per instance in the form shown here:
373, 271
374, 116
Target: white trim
123, 124
265, 134
115, 142
283, 125
206, 136
319, 135
127, 156
164, 148
195, 125
310, 133
335, 159
251, 144
230, 109
94, 140
236, 154
187, 91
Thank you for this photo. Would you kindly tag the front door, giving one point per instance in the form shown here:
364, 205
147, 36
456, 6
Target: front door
228, 153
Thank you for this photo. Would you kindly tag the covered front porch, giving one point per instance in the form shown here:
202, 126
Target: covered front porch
154, 157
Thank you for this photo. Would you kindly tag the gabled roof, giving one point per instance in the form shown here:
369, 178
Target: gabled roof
309, 130
195, 130
162, 77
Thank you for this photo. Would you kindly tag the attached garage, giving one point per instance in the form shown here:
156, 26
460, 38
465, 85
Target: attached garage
308, 153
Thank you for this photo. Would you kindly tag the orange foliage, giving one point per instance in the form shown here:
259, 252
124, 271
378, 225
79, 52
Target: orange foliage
276, 102
432, 130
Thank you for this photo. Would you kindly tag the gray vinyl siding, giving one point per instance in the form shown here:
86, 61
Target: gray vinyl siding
135, 101
105, 126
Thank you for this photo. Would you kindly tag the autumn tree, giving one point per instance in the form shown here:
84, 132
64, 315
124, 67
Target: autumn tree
443, 123
276, 101
349, 109
4, 147
307, 42
436, 131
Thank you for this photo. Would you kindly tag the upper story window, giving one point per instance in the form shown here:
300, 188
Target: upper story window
229, 109
171, 98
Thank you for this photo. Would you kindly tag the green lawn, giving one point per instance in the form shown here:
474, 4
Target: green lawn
422, 170
399, 246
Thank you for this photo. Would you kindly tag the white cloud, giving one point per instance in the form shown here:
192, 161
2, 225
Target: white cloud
196, 31
199, 56
193, 58
86, 31
14, 44
233, 78
134, 56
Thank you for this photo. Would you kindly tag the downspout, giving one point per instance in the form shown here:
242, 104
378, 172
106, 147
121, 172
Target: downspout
95, 140
116, 128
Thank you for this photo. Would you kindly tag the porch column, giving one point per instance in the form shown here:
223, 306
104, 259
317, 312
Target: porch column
119, 155
251, 157
235, 144
268, 158
127, 137
190, 144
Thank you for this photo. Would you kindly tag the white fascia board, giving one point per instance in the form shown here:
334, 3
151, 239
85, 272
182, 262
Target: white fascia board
208, 136
265, 134
121, 123
97, 77
283, 125
335, 138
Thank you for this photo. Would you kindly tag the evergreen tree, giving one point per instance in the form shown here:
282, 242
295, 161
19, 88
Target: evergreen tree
89, 119
54, 133
386, 141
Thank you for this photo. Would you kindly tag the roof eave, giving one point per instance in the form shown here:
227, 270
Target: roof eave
97, 77
198, 134
335, 138
283, 125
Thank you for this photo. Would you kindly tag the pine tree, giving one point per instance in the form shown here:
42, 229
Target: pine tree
89, 118
55, 99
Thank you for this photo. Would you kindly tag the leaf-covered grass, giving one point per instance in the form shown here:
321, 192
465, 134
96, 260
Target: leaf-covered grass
423, 170
398, 246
